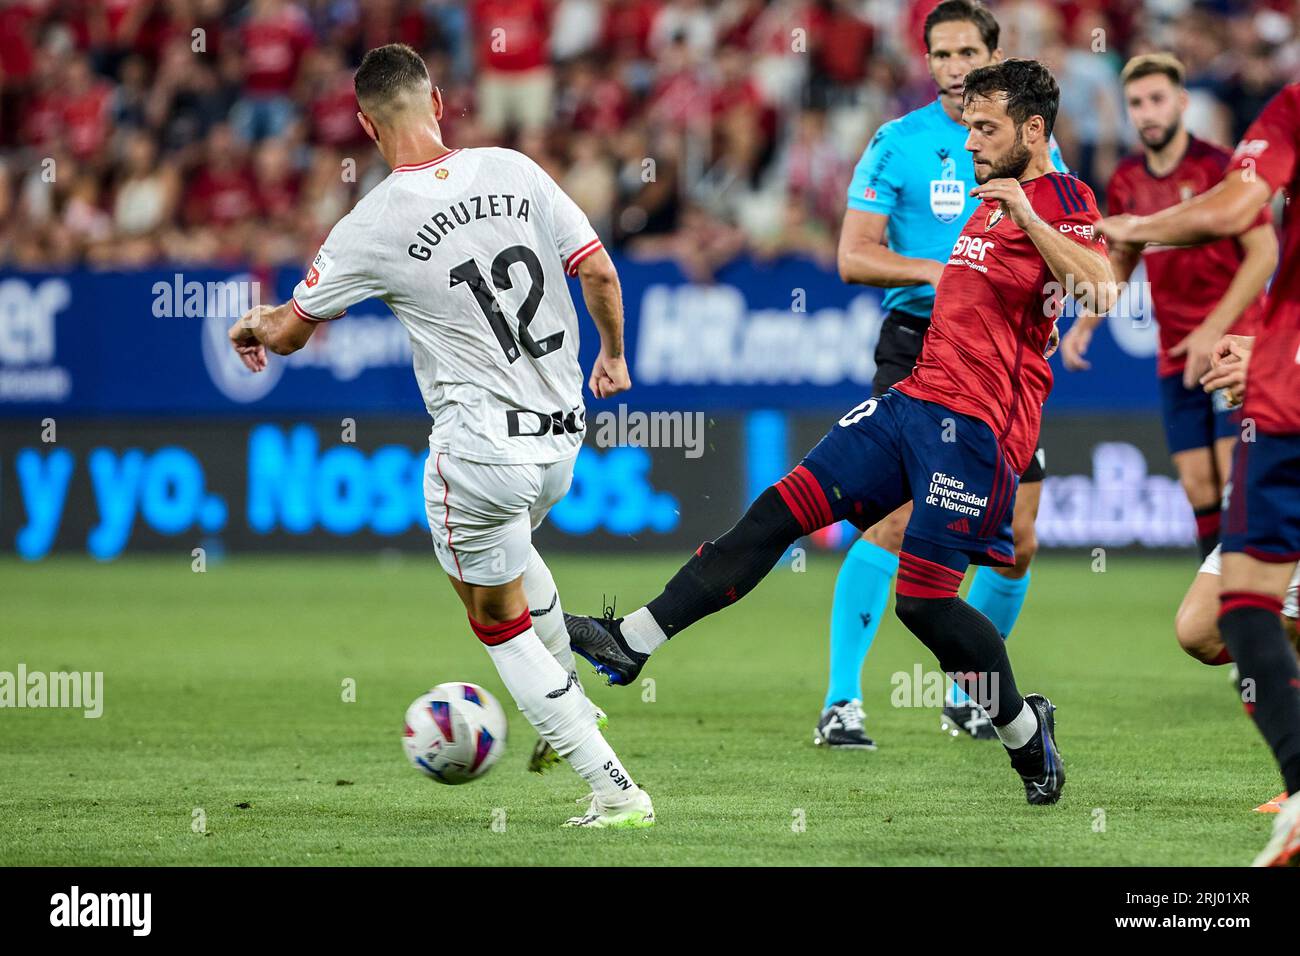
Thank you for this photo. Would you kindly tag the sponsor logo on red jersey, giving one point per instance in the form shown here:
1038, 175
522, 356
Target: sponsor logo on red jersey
1079, 229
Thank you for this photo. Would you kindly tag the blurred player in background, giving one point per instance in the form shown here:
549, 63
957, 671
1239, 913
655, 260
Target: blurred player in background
907, 204
470, 249
1261, 534
1199, 294
953, 437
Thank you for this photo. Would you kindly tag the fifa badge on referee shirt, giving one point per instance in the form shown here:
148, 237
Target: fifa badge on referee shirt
947, 193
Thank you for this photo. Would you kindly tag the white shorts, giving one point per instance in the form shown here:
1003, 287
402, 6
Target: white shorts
482, 516
1290, 607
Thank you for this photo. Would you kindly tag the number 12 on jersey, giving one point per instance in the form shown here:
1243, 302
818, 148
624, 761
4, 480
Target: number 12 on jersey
469, 273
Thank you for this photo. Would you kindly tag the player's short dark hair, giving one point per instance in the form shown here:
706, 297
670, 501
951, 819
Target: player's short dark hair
1029, 87
386, 73
972, 11
1153, 64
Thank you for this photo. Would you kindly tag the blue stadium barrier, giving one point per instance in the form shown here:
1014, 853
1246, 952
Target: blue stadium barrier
786, 334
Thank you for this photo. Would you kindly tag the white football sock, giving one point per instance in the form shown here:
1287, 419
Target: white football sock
548, 616
595, 761
642, 632
1021, 730
531, 675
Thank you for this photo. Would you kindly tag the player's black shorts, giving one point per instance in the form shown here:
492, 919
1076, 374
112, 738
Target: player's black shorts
1037, 468
899, 346
901, 336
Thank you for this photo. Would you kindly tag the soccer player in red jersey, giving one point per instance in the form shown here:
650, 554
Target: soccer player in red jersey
1261, 537
952, 438
1199, 294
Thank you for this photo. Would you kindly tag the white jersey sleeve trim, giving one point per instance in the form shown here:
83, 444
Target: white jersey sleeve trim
308, 317
571, 267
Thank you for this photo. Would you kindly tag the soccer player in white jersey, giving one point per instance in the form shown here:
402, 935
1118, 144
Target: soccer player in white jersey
470, 248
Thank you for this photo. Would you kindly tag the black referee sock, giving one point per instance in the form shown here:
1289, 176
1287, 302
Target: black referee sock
965, 642
1270, 677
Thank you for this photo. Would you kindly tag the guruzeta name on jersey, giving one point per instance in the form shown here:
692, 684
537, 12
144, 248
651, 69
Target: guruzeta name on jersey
461, 214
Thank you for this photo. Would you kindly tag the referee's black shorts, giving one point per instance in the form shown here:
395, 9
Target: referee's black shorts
901, 335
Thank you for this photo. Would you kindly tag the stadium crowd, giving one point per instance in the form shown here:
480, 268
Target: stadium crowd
208, 131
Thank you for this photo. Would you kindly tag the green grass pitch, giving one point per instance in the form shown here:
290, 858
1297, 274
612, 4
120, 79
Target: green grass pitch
224, 704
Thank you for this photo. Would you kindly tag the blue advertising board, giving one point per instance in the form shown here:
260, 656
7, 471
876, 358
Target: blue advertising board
106, 488
785, 334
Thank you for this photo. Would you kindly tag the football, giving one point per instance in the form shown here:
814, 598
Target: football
455, 733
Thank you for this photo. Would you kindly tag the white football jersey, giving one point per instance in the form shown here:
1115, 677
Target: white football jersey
470, 251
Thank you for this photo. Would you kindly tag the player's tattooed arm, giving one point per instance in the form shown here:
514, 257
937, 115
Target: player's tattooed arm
604, 297
865, 259
268, 327
1073, 265
1228, 209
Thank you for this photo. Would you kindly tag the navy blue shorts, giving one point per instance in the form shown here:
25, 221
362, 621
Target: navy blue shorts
1263, 514
1192, 418
894, 449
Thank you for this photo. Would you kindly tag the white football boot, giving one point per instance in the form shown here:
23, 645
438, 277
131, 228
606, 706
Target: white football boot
635, 812
1283, 847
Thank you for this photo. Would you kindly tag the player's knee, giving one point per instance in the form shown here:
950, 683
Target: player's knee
1202, 491
777, 519
909, 610
497, 605
920, 615
769, 519
888, 533
1198, 633
1026, 549
768, 523
930, 621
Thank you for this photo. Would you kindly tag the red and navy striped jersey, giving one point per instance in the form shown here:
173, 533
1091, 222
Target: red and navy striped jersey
993, 314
